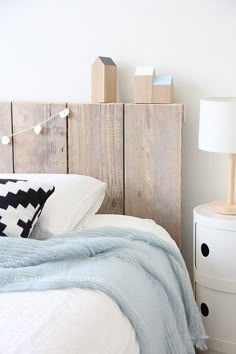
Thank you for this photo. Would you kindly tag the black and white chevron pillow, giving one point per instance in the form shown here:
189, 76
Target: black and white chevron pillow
21, 203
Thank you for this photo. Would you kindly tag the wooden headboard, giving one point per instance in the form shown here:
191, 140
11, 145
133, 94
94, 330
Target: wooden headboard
134, 148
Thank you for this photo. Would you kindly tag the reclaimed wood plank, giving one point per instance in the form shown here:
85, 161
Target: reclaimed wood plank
153, 140
44, 153
6, 160
95, 143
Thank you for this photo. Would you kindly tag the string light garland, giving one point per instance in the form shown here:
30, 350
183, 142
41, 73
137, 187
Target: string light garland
36, 128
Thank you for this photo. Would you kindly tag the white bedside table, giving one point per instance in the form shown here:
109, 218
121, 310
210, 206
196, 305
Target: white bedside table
215, 277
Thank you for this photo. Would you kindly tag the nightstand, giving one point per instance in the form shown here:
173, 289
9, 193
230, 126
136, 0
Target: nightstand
215, 277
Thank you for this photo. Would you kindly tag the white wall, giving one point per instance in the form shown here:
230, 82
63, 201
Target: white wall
47, 48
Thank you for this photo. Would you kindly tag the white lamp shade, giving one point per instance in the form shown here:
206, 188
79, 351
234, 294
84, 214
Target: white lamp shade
217, 126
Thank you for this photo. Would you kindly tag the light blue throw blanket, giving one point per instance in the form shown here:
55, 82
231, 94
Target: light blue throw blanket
144, 274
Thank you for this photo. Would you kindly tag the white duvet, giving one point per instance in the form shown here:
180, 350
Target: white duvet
70, 321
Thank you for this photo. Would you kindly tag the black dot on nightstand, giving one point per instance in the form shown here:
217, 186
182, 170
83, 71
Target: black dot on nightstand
204, 310
205, 249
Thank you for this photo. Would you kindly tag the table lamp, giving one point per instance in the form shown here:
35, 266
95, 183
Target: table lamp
217, 133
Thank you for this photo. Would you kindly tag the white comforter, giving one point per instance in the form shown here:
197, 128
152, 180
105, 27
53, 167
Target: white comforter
69, 321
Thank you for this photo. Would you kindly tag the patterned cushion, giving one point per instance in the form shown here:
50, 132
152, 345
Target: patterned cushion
21, 203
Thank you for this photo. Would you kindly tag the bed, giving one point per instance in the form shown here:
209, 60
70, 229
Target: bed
142, 172
70, 320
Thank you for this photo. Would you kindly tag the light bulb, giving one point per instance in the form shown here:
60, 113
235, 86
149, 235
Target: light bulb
64, 113
5, 140
37, 129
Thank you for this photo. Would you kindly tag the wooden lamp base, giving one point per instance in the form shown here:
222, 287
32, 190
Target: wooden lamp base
228, 207
223, 208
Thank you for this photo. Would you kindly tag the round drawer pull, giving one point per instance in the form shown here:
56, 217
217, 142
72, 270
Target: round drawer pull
204, 310
205, 249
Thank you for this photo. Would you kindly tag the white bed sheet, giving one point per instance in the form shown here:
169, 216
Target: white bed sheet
73, 320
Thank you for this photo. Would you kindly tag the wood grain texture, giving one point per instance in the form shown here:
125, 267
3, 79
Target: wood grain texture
97, 81
95, 143
110, 83
163, 93
44, 153
103, 83
6, 161
153, 139
143, 88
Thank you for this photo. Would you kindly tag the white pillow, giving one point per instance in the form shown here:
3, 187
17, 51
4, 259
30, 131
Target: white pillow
75, 201
148, 225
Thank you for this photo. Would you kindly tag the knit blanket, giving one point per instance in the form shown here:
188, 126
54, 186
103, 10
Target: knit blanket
143, 273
